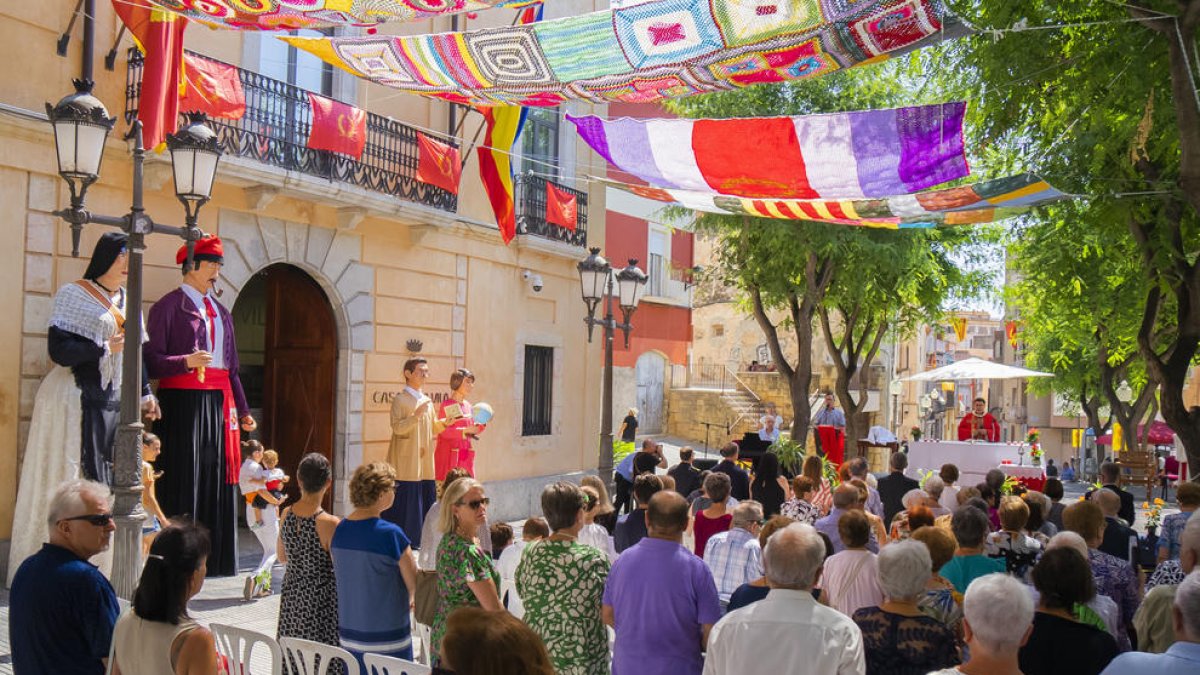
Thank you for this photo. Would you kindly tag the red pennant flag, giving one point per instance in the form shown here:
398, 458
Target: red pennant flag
1010, 330
438, 164
562, 208
159, 35
337, 127
213, 88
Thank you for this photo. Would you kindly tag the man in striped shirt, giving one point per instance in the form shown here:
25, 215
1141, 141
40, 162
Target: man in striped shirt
735, 557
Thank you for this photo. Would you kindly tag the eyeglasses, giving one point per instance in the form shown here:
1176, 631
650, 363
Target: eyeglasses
98, 519
475, 504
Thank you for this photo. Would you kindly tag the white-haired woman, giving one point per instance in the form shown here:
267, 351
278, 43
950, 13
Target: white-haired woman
898, 637
998, 618
465, 575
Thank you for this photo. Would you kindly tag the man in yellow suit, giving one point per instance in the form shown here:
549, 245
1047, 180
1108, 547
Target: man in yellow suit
414, 430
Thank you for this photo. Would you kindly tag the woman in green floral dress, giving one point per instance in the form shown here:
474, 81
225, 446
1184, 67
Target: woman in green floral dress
561, 583
465, 576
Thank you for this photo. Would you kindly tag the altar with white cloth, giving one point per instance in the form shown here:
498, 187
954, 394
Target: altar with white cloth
972, 458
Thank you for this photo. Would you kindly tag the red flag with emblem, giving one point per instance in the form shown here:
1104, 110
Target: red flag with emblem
438, 164
159, 35
337, 127
213, 88
561, 207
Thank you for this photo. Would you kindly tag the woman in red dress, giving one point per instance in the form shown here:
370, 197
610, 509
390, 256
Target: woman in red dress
454, 442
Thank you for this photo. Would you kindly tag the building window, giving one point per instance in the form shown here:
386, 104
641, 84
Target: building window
281, 61
539, 142
718, 329
656, 271
539, 390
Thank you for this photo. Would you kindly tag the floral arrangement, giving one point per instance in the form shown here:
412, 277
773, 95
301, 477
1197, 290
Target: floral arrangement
1033, 438
924, 476
1009, 486
1153, 513
830, 471
916, 433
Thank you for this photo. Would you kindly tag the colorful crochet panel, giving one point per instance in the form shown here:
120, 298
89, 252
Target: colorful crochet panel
876, 153
643, 52
984, 202
295, 14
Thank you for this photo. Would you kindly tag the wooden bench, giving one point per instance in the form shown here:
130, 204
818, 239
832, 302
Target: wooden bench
1138, 467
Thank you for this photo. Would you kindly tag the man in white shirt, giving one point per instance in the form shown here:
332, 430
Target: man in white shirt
735, 556
788, 631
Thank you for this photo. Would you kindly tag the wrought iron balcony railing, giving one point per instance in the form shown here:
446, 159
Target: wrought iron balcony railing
275, 131
531, 211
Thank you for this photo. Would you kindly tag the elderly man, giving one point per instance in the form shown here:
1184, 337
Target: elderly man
735, 556
1119, 541
894, 486
1154, 622
935, 487
660, 598
970, 527
788, 631
62, 609
997, 621
1183, 657
845, 498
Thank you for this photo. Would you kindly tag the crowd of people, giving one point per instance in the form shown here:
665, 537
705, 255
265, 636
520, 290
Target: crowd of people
853, 575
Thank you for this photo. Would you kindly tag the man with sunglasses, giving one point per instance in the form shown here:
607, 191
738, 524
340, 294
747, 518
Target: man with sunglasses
62, 609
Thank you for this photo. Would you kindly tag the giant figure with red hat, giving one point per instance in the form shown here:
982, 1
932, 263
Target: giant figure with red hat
193, 355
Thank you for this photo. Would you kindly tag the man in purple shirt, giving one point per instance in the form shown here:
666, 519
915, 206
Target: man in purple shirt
845, 498
660, 599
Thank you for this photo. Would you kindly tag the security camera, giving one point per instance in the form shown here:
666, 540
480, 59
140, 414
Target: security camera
535, 280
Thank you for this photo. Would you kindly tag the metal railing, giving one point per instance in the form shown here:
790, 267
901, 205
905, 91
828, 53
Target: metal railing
704, 376
275, 129
531, 210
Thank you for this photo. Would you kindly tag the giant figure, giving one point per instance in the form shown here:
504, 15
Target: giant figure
411, 451
77, 408
193, 355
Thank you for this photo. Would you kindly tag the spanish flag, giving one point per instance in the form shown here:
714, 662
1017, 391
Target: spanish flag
159, 36
495, 157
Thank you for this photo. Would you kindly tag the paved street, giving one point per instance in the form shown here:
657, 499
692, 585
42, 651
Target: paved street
221, 599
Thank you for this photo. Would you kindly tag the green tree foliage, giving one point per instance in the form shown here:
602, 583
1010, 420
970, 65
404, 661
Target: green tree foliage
1105, 107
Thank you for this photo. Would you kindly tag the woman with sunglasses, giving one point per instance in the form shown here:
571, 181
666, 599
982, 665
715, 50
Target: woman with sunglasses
465, 575
561, 582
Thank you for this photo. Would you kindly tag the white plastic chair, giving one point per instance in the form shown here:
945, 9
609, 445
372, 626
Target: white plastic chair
378, 664
313, 658
425, 634
236, 645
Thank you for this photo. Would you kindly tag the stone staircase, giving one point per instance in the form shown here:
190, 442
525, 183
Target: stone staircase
745, 409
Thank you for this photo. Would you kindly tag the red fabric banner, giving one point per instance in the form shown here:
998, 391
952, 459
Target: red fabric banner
438, 164
159, 35
213, 88
562, 208
1010, 331
337, 127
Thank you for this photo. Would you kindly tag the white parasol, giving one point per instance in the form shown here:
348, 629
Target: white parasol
975, 369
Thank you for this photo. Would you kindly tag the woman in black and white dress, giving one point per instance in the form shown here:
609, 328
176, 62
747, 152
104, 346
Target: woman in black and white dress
308, 604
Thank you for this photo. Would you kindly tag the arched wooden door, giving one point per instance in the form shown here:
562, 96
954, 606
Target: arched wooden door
300, 366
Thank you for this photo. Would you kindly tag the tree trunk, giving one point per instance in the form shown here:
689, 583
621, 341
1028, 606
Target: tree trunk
849, 361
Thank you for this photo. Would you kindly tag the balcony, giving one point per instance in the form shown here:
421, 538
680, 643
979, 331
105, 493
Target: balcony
531, 211
275, 128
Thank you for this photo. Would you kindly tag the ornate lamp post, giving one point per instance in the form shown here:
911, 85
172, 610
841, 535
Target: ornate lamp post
81, 127
595, 275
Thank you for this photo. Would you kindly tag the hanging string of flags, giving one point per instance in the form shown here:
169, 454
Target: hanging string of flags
873, 153
978, 203
642, 52
282, 15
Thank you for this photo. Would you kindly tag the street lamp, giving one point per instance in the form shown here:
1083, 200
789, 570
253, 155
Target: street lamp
596, 279
81, 127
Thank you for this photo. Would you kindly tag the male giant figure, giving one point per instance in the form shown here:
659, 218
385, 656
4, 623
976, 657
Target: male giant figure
411, 452
193, 354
